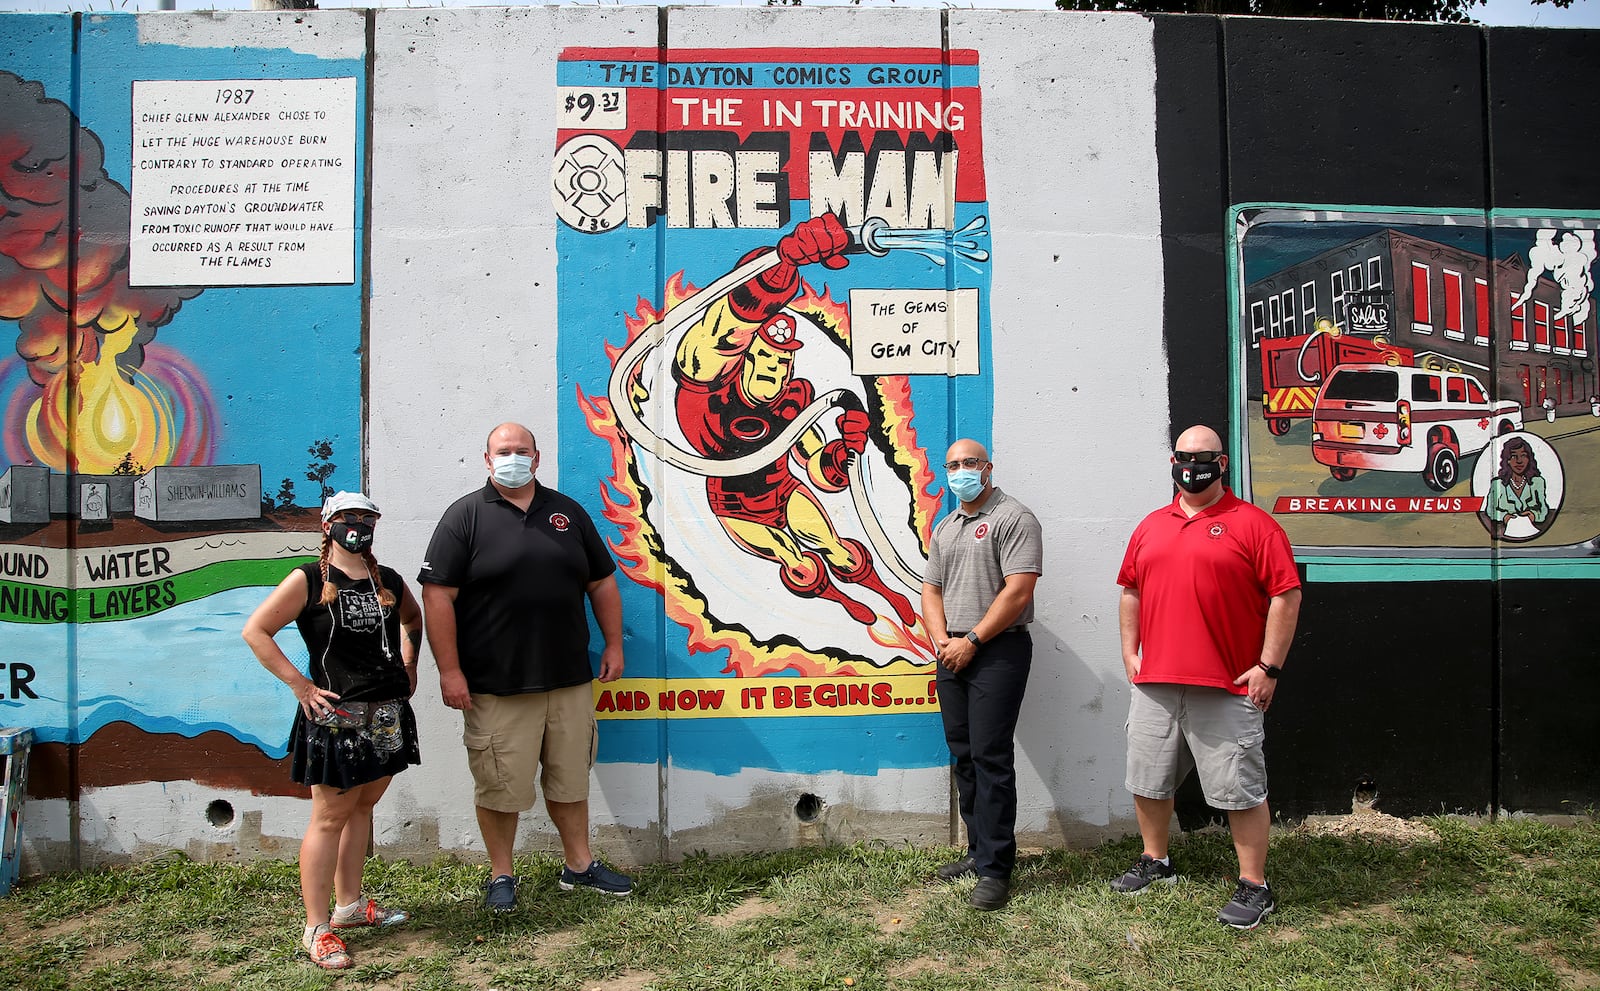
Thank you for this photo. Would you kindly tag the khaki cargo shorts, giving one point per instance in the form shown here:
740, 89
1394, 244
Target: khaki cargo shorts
510, 737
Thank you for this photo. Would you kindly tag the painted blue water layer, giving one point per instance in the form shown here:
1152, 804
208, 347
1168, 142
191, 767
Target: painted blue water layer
183, 671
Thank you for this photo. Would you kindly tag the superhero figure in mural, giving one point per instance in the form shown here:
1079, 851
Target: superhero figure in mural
736, 390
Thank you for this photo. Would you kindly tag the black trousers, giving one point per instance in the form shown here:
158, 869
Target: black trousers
979, 707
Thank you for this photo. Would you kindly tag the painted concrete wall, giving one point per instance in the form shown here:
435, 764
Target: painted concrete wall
1134, 194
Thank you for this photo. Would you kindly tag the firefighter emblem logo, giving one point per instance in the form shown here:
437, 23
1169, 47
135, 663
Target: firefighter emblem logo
589, 185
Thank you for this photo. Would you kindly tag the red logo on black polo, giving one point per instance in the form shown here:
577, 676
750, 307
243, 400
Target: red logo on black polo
560, 521
1216, 530
981, 531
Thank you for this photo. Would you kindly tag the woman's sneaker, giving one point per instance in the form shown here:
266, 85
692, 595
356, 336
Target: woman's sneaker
325, 949
369, 913
598, 877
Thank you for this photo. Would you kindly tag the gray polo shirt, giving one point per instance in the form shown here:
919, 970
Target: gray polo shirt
970, 557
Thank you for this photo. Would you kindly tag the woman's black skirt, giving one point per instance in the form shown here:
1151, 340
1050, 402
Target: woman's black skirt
349, 757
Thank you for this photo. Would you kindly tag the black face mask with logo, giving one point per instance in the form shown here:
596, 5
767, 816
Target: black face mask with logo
1194, 477
353, 537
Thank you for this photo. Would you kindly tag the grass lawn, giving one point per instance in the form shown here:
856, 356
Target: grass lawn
1504, 905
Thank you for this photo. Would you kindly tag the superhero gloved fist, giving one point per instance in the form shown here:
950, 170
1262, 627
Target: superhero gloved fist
837, 454
820, 239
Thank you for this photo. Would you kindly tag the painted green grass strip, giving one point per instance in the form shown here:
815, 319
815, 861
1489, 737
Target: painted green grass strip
25, 603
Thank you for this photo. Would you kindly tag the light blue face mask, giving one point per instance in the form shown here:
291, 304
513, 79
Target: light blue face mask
513, 470
966, 483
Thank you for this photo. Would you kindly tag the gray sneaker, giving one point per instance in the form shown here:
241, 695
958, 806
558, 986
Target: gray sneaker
599, 878
1250, 904
1146, 871
500, 894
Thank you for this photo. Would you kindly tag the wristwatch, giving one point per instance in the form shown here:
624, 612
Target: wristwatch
973, 636
1272, 670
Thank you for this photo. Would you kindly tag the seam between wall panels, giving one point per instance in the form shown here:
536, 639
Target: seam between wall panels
658, 289
74, 744
1496, 601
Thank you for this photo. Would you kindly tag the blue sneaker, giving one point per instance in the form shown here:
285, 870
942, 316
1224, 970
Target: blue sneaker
599, 878
500, 894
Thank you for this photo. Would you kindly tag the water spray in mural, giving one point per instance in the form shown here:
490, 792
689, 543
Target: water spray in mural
97, 395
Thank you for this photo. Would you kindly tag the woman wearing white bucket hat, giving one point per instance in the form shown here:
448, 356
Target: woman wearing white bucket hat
354, 729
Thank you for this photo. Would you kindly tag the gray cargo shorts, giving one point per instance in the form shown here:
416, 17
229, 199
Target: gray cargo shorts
1173, 729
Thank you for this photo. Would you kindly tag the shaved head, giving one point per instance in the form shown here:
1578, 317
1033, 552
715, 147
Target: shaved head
966, 448
1198, 438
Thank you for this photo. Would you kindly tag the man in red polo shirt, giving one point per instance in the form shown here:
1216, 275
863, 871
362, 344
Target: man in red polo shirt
1210, 598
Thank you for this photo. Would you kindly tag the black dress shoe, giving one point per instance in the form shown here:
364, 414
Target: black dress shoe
990, 894
965, 867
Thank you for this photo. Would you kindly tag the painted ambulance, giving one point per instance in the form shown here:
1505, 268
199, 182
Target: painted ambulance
1386, 418
1292, 368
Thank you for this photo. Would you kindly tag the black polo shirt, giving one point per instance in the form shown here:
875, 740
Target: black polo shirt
522, 577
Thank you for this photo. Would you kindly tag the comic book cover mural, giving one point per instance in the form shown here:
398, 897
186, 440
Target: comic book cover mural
1420, 383
774, 276
178, 402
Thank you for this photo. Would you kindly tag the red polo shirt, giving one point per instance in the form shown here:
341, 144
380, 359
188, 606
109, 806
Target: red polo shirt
1204, 582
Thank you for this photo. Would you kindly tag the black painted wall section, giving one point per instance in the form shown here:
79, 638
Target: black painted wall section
1543, 157
1446, 695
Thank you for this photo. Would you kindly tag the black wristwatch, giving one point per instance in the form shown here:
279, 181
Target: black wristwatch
973, 636
1272, 670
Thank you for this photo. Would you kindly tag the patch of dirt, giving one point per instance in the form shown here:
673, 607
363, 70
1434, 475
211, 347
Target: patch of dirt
751, 908
920, 965
552, 944
628, 980
1369, 824
891, 919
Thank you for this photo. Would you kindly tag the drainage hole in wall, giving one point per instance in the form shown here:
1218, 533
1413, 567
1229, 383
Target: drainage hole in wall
1365, 794
220, 813
808, 808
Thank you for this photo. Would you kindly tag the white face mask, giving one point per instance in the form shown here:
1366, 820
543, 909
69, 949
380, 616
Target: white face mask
512, 470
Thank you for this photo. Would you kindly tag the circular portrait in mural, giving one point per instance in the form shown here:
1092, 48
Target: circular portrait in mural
1519, 478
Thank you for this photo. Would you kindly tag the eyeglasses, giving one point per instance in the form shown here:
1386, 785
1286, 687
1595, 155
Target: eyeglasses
964, 463
368, 518
1204, 457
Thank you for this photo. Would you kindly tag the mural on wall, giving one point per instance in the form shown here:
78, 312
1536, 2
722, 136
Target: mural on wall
787, 253
1415, 379
157, 470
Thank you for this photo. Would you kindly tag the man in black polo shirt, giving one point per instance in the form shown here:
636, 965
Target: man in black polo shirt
502, 592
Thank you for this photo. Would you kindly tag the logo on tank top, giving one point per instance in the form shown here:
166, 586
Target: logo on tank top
359, 611
1216, 530
560, 521
981, 531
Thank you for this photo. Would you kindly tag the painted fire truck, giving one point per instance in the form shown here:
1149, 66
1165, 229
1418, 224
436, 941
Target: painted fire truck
1294, 368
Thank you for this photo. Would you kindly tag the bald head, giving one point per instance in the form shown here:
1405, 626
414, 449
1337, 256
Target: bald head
1198, 438
519, 438
966, 448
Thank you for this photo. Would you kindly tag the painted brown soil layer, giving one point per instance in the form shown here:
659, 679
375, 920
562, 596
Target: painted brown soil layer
123, 754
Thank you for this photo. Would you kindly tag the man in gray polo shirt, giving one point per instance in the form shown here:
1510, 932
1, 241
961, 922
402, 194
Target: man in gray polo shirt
977, 602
